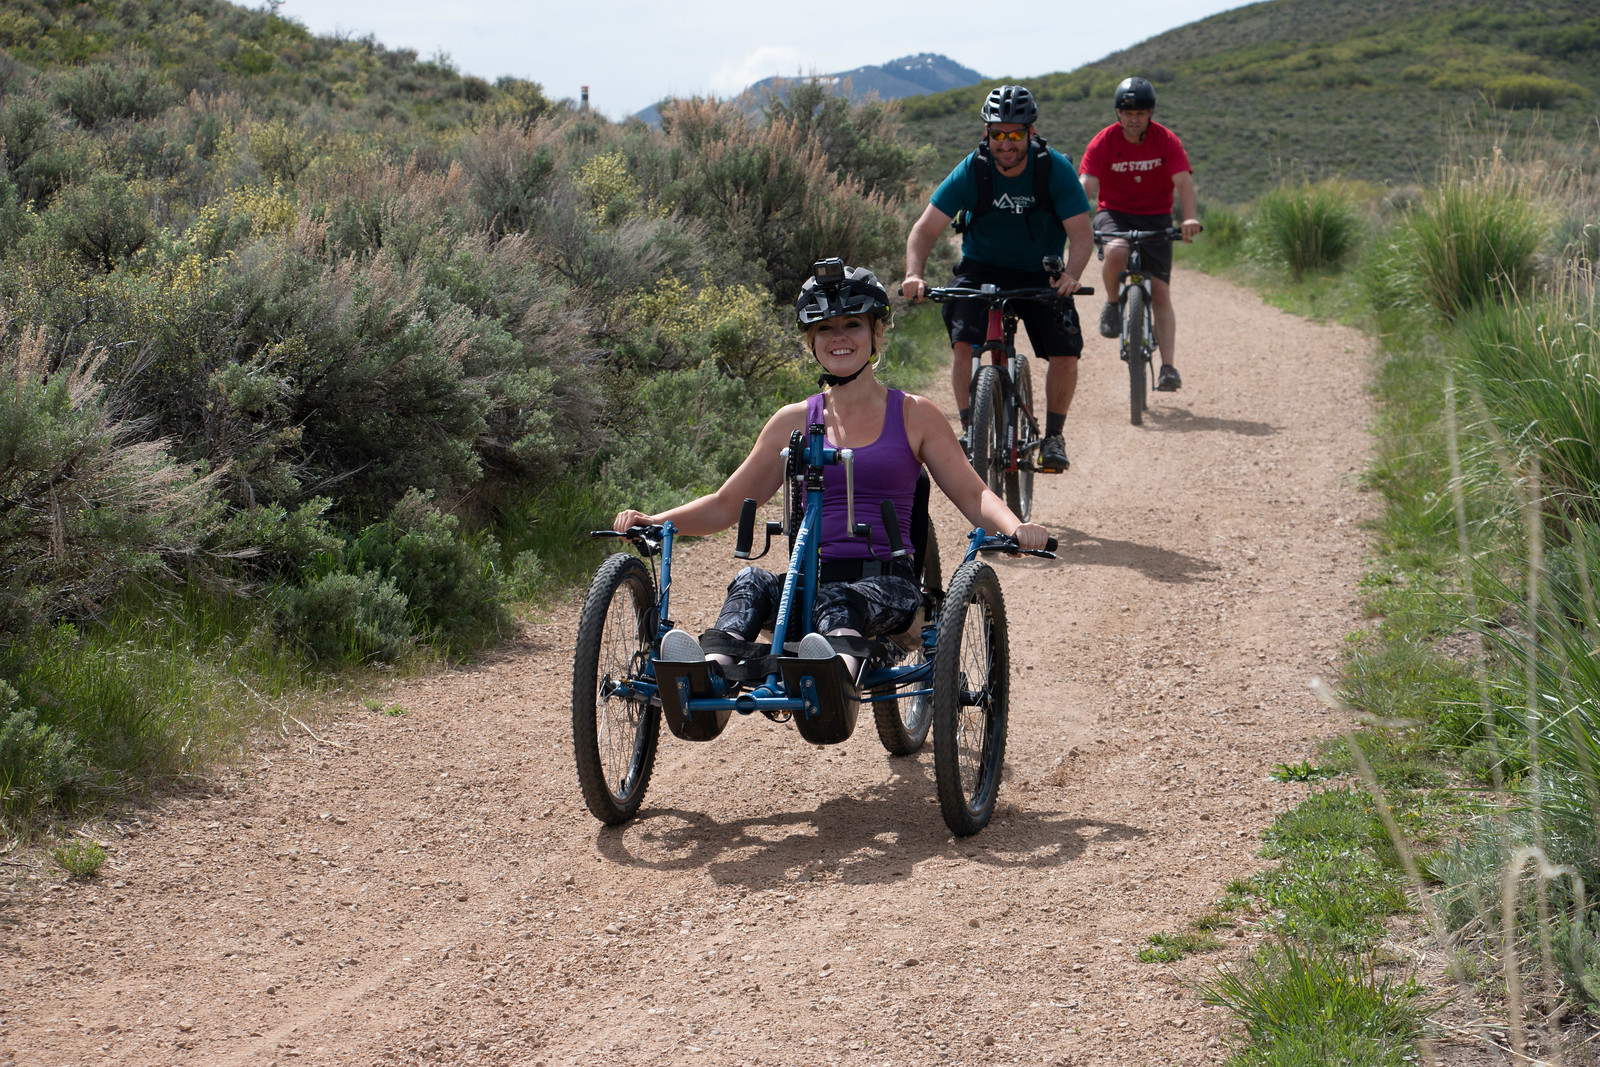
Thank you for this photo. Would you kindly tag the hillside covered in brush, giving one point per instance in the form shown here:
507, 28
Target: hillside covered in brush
328, 352
1367, 89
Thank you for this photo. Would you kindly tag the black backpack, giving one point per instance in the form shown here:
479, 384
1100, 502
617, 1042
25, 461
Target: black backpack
1042, 202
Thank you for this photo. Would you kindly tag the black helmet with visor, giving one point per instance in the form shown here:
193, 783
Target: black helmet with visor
1010, 103
835, 289
1135, 94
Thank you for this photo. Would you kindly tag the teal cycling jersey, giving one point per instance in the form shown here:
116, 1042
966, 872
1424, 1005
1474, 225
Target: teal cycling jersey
1008, 234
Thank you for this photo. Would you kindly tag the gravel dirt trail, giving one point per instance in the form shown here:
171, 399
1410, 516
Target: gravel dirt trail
429, 887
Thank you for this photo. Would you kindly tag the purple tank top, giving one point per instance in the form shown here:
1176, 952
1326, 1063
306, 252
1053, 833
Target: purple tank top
885, 470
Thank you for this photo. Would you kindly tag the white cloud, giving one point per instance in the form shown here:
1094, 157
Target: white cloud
760, 63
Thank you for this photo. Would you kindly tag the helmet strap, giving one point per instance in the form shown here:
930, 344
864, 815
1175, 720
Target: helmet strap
826, 379
835, 379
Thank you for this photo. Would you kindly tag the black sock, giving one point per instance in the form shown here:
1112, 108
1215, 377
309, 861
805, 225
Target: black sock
966, 418
1054, 423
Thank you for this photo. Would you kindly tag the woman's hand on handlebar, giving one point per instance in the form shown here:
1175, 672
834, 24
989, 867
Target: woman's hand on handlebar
626, 520
1031, 535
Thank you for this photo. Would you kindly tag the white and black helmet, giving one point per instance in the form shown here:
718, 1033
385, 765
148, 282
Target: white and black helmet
1010, 103
835, 289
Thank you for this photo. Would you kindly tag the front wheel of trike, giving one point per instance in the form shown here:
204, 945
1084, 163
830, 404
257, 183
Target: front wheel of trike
614, 729
971, 698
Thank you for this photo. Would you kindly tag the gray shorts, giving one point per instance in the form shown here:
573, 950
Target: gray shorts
1155, 255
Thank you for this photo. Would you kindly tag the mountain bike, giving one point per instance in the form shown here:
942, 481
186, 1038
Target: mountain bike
948, 670
1138, 345
1004, 436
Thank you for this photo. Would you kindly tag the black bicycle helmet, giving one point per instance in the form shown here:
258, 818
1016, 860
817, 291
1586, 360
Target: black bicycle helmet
1134, 94
1010, 103
835, 289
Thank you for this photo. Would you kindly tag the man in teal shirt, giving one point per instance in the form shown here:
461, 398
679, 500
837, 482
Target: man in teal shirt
1004, 243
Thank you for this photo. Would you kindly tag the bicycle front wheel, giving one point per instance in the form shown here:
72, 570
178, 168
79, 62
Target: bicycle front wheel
1019, 482
971, 698
1135, 346
988, 428
614, 735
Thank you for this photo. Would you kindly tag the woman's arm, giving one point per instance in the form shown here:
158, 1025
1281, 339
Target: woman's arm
759, 476
935, 444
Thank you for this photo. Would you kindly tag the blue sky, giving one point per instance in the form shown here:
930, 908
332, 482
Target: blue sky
632, 53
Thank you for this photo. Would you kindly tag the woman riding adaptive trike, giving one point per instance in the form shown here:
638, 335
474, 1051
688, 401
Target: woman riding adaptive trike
850, 622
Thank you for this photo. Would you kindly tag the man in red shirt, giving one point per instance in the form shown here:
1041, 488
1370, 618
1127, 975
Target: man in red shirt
1130, 170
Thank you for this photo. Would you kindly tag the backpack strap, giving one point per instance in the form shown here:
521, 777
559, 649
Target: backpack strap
983, 173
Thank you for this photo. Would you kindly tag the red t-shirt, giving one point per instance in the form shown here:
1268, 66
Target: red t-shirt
1135, 178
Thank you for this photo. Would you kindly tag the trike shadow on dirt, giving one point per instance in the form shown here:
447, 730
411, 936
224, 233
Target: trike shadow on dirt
1182, 420
872, 836
1156, 563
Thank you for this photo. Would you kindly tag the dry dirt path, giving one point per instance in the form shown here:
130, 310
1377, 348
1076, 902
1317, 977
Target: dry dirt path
430, 887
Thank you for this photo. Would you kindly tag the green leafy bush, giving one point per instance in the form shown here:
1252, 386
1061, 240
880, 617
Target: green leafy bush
348, 618
1530, 90
451, 584
99, 93
101, 223
86, 507
38, 764
81, 859
1224, 227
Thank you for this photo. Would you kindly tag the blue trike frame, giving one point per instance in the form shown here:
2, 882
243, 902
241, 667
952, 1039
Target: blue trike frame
652, 687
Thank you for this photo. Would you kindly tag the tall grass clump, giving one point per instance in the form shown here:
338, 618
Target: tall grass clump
1470, 241
1536, 366
1307, 1007
1309, 226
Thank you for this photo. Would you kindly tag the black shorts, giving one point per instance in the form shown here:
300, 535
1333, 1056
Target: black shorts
1052, 328
1156, 255
881, 604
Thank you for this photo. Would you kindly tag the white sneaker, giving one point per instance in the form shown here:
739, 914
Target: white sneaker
679, 646
814, 646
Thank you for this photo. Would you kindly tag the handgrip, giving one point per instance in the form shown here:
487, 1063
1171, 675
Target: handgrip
1050, 544
891, 528
747, 529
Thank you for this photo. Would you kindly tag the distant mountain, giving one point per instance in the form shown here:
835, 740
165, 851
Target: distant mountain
925, 72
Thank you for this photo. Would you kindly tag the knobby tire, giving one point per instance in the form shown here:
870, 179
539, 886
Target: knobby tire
903, 723
614, 740
1019, 483
1136, 345
988, 427
971, 698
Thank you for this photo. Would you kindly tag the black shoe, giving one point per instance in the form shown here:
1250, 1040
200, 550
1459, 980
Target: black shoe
1169, 381
1111, 320
966, 440
1053, 455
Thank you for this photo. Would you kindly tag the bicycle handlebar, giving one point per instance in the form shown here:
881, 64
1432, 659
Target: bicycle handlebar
1007, 544
646, 538
949, 292
1171, 233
